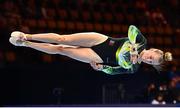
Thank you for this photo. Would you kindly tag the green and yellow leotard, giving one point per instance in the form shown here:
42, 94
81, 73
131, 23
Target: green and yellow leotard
123, 53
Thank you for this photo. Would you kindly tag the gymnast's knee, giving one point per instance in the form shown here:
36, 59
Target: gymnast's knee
59, 50
61, 38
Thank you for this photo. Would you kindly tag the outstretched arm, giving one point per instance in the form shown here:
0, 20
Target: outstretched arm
116, 70
109, 69
137, 40
135, 36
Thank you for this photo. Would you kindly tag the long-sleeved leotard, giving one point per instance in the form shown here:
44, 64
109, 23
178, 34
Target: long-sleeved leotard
116, 52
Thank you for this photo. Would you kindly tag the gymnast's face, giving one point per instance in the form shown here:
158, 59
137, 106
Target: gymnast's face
151, 56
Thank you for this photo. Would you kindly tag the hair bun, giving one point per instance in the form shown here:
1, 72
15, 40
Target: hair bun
168, 56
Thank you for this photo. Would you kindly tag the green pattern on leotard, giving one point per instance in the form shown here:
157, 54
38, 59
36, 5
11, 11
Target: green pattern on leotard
125, 65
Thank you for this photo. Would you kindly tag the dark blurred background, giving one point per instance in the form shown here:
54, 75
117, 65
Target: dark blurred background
29, 77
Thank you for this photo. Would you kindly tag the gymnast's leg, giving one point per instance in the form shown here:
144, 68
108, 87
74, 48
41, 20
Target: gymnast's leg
86, 39
86, 55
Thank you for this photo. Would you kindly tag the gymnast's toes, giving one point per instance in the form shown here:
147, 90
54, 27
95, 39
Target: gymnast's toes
16, 42
19, 35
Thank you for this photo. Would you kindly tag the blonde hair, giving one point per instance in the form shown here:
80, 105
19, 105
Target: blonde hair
167, 56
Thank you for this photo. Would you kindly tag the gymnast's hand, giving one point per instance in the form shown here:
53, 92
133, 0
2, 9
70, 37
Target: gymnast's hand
134, 59
133, 53
96, 66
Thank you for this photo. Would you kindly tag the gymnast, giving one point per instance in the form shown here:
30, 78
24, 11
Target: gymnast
109, 55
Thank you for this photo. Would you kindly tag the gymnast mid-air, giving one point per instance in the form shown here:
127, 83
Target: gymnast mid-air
104, 53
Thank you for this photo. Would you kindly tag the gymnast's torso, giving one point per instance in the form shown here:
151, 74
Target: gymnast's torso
107, 50
116, 51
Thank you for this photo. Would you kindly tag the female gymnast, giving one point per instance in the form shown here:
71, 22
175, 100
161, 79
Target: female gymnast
107, 54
